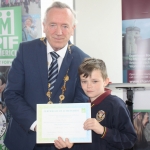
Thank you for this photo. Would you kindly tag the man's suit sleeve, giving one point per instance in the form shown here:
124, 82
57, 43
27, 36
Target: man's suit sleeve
14, 95
80, 97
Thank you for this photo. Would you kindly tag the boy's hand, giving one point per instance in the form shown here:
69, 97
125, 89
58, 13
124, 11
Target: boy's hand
93, 124
62, 144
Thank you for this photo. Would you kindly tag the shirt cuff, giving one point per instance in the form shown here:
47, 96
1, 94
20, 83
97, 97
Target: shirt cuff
33, 126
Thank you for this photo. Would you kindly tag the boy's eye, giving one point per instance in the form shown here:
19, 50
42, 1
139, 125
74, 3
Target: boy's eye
83, 81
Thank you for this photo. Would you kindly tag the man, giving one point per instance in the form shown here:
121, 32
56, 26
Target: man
28, 82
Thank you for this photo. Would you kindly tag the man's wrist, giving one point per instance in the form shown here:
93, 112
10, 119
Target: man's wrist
35, 129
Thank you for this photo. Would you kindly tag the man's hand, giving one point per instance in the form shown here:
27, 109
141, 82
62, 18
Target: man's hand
93, 124
62, 144
34, 129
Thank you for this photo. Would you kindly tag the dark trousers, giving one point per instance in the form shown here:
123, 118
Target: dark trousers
44, 147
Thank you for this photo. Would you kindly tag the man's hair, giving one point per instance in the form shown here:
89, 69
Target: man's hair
61, 5
90, 64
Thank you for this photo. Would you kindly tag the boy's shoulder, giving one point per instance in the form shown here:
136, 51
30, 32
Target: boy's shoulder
115, 100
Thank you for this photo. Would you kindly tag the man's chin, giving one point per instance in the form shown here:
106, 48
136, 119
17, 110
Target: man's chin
58, 47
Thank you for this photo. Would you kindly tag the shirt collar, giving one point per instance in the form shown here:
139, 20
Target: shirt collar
61, 52
100, 98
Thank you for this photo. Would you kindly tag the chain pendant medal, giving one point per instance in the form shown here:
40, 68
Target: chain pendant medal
48, 94
62, 96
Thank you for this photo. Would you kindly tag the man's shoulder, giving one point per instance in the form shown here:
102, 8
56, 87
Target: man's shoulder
31, 47
35, 41
75, 48
78, 52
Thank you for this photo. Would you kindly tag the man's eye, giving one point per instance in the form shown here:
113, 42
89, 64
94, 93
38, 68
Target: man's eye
65, 26
52, 25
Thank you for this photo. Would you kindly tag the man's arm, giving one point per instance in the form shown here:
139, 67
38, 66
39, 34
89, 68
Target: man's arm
80, 97
14, 95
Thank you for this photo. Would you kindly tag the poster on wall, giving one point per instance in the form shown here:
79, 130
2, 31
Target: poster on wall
136, 50
136, 63
31, 20
31, 17
10, 34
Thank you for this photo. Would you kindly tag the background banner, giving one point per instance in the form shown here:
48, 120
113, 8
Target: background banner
10, 37
10, 34
136, 63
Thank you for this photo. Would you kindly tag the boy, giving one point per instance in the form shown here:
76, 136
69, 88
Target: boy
111, 126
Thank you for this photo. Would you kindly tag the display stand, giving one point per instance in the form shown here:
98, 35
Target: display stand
130, 88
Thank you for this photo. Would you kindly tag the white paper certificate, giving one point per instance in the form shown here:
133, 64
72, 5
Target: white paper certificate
63, 120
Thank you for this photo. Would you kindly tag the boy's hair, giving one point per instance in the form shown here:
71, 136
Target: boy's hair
90, 64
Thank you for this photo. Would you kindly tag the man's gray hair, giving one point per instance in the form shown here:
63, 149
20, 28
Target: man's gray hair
61, 5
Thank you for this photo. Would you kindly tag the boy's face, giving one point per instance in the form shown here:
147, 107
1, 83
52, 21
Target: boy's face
93, 86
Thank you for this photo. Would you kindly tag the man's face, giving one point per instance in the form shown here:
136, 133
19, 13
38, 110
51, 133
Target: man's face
145, 120
58, 27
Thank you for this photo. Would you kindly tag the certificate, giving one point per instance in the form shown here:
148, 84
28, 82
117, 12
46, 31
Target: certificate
63, 120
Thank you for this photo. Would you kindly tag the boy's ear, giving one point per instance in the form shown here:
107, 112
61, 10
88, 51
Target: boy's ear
106, 81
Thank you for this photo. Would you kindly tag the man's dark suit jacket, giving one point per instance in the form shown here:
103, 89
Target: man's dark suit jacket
27, 86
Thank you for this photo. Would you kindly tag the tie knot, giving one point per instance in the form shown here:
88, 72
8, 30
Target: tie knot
54, 55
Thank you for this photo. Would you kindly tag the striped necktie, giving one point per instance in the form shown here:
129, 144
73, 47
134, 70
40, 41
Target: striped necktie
53, 70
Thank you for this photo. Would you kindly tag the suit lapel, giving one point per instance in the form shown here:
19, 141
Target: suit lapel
42, 63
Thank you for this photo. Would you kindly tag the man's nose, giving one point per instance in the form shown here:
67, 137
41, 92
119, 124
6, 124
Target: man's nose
59, 30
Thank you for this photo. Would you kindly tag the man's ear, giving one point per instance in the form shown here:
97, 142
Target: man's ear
73, 28
44, 28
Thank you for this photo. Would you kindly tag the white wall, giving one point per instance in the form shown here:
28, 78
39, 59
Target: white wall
99, 33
